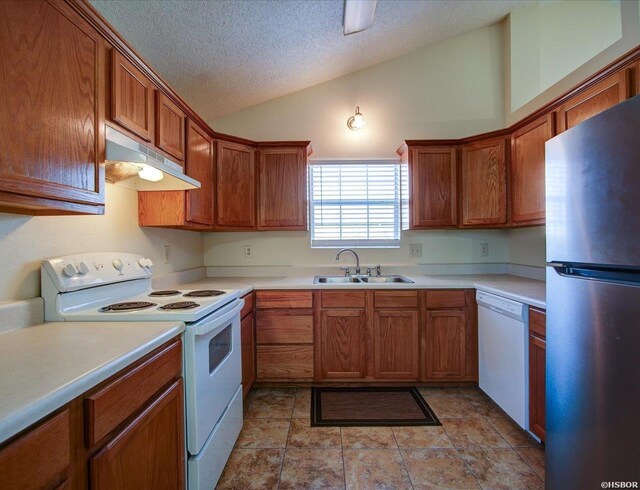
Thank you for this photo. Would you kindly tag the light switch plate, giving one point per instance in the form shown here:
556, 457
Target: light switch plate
484, 250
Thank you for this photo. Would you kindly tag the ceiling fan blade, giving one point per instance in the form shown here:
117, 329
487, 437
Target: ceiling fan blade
358, 15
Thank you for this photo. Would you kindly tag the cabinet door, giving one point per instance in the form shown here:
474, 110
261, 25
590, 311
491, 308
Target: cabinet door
282, 189
484, 183
342, 344
248, 339
131, 97
396, 344
235, 186
170, 122
52, 116
603, 95
537, 374
149, 452
527, 171
433, 187
199, 165
445, 344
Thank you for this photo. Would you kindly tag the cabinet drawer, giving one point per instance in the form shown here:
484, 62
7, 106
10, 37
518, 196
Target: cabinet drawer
249, 301
538, 322
284, 362
117, 401
284, 299
284, 327
395, 299
343, 299
449, 298
40, 458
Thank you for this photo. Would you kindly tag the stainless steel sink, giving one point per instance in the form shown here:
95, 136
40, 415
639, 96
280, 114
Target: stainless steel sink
361, 280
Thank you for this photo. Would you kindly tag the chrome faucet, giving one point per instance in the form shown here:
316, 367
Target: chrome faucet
354, 254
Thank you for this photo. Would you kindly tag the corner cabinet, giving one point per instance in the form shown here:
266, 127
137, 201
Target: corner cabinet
53, 110
235, 186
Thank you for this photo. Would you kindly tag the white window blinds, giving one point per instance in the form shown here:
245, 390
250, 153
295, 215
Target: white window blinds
355, 204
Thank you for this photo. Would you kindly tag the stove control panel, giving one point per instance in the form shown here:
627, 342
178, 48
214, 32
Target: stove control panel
74, 272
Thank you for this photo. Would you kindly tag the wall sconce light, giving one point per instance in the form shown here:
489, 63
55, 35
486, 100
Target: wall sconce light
356, 121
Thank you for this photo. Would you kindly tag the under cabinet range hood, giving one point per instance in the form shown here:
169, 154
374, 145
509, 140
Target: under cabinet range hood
133, 165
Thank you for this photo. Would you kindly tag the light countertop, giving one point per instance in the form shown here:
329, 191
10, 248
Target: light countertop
529, 291
45, 366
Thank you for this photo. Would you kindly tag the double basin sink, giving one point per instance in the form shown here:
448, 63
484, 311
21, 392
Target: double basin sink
361, 280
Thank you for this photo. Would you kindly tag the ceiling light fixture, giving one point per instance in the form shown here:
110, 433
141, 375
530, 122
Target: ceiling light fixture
356, 121
358, 15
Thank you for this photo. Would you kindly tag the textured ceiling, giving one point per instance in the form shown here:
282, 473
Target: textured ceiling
224, 55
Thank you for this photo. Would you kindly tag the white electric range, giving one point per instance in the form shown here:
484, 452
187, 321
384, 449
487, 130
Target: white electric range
117, 287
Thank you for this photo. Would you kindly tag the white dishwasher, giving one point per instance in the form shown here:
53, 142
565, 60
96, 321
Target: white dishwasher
503, 354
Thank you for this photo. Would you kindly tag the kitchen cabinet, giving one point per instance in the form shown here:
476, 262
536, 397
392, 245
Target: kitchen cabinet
132, 98
170, 125
527, 171
282, 188
396, 343
599, 97
537, 373
430, 183
235, 186
248, 341
53, 110
483, 198
342, 344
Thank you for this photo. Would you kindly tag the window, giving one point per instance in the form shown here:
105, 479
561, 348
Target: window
355, 204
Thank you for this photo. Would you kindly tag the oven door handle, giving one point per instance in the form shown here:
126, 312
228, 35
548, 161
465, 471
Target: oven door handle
218, 322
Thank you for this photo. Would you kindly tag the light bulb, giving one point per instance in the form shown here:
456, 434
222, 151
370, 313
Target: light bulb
147, 172
358, 121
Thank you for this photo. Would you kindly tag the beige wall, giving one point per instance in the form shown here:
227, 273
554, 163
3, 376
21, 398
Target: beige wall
527, 246
25, 241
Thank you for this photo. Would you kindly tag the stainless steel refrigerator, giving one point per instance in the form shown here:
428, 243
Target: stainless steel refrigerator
593, 302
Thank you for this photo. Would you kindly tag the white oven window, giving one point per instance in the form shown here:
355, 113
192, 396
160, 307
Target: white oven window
219, 348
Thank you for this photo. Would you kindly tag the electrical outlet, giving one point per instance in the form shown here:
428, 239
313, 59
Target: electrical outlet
484, 250
248, 251
167, 254
415, 250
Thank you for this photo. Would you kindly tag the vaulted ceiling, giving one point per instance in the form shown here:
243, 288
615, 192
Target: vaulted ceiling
225, 55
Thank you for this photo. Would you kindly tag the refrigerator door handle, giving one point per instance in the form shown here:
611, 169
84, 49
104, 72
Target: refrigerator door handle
598, 273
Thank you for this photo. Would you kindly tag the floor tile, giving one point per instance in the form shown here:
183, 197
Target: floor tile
368, 437
485, 406
435, 391
534, 457
375, 468
302, 404
252, 469
264, 433
422, 437
302, 435
437, 469
472, 432
510, 431
312, 468
270, 406
450, 407
500, 468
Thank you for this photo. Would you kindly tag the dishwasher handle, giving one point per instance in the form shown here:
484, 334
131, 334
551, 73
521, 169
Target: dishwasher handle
503, 306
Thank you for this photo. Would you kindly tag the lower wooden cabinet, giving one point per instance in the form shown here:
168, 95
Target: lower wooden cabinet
149, 452
537, 372
342, 344
445, 333
248, 341
396, 344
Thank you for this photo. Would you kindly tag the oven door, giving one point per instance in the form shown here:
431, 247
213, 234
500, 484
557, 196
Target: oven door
213, 370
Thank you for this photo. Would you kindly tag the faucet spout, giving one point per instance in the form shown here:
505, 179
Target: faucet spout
354, 254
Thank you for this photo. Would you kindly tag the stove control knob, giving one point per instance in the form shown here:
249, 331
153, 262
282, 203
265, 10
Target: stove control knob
69, 270
83, 268
118, 264
148, 263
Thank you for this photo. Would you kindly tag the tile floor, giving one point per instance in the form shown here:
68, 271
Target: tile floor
476, 447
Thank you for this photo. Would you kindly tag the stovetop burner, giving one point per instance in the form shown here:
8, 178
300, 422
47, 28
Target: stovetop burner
127, 306
180, 305
203, 293
167, 292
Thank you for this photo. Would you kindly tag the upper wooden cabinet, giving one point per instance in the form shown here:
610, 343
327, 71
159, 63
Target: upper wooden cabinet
282, 188
132, 97
52, 96
601, 96
200, 166
235, 186
432, 186
527, 171
170, 124
484, 183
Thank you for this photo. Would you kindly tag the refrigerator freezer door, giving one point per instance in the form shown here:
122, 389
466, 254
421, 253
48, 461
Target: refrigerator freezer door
593, 190
593, 382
